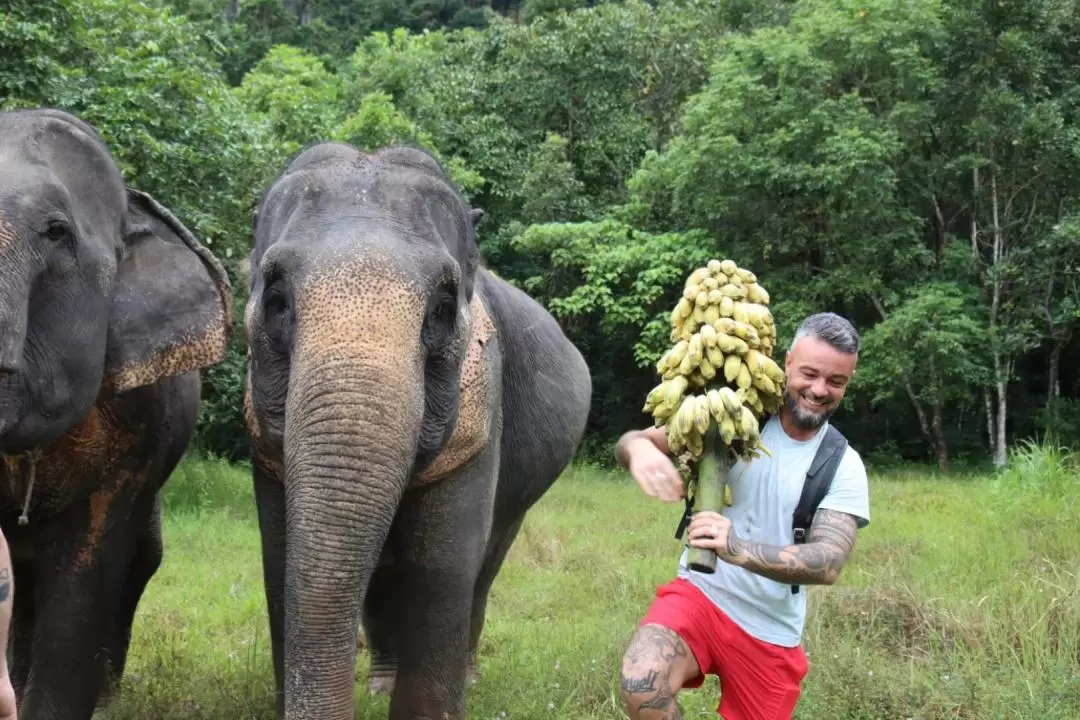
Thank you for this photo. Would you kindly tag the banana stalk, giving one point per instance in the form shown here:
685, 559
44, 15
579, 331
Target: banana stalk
711, 483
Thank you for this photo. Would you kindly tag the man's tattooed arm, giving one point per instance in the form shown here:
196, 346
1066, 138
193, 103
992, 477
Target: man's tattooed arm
817, 562
7, 591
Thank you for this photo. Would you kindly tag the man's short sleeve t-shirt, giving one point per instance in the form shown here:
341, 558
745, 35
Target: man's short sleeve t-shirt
765, 493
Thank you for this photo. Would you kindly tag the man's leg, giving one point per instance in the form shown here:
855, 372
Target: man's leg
656, 665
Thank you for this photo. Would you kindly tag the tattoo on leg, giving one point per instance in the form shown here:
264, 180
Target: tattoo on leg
5, 585
639, 685
646, 677
663, 701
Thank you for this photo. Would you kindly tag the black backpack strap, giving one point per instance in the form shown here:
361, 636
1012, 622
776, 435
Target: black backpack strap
818, 479
687, 516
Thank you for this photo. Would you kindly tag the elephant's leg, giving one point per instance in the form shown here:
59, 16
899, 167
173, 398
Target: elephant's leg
441, 540
498, 547
79, 582
148, 553
270, 500
382, 621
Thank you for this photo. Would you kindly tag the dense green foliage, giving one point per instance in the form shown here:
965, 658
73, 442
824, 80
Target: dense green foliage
913, 165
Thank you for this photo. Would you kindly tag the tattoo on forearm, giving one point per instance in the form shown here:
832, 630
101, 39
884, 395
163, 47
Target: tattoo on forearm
5, 585
646, 676
819, 561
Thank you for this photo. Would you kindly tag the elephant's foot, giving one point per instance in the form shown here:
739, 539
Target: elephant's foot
472, 672
381, 679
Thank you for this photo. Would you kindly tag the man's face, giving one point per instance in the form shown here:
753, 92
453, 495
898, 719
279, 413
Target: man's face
817, 377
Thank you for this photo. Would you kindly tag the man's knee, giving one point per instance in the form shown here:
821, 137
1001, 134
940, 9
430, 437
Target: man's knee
655, 665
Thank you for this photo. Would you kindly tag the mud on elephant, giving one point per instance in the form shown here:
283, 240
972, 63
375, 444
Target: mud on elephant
108, 308
407, 408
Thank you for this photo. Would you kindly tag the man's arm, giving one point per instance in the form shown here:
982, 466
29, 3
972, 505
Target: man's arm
816, 562
654, 435
645, 454
7, 600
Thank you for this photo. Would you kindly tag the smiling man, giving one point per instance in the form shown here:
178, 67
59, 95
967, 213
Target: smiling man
744, 623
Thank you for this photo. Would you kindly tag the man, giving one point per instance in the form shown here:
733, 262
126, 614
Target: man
743, 623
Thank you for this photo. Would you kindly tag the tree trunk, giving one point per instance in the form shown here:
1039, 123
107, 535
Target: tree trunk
232, 10
990, 437
1053, 374
974, 214
939, 437
937, 426
999, 443
924, 425
1001, 365
942, 231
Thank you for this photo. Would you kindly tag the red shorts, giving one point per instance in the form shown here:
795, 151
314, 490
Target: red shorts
758, 680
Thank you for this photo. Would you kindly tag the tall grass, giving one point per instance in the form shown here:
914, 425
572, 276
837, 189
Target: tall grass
960, 602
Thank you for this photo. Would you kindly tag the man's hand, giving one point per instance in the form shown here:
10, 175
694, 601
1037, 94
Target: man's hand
817, 562
644, 454
713, 531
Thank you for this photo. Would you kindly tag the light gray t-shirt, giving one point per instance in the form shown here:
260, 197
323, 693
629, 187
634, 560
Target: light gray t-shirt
764, 495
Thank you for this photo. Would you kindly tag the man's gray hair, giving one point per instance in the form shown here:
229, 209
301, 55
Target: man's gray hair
833, 329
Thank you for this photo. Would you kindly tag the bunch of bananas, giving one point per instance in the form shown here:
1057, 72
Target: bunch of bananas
723, 333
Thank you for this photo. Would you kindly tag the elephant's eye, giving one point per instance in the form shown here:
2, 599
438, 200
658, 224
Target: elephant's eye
444, 311
439, 323
276, 315
59, 231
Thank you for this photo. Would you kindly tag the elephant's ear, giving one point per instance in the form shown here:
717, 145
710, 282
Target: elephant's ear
173, 308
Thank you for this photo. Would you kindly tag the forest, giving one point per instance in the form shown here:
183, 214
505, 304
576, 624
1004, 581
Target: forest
911, 164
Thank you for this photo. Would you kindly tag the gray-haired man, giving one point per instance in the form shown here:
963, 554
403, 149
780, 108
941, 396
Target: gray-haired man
743, 623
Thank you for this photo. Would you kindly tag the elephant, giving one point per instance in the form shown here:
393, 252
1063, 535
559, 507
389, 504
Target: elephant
109, 308
406, 408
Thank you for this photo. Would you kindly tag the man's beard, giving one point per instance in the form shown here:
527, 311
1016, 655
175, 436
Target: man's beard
803, 419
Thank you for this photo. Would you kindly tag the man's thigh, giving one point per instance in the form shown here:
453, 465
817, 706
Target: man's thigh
658, 661
671, 648
760, 681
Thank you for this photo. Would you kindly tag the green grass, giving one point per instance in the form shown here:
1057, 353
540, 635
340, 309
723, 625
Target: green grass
961, 601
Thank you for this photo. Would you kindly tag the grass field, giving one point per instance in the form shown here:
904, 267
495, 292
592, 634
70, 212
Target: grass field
961, 602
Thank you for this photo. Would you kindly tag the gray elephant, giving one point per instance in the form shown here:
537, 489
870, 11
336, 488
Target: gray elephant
407, 408
108, 308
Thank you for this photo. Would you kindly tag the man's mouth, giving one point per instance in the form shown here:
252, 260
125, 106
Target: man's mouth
813, 405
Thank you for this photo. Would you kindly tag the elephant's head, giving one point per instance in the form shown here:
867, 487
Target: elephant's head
359, 321
100, 287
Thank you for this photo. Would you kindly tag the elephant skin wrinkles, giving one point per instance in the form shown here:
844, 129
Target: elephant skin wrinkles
7, 235
478, 394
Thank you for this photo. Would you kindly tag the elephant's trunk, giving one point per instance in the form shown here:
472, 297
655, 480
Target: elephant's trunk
14, 287
14, 300
352, 418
